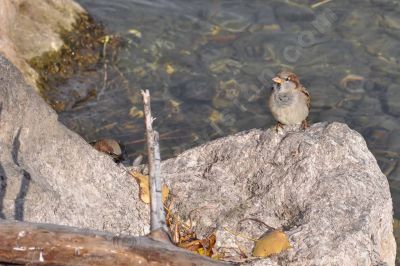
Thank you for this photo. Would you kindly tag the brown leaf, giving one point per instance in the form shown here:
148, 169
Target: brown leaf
201, 246
272, 243
350, 77
144, 189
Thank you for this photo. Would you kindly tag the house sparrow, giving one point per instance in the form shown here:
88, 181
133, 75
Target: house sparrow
289, 101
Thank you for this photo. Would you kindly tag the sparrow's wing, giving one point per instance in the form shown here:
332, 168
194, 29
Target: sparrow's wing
303, 90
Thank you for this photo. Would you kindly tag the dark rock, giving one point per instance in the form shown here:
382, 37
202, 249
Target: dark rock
393, 99
291, 12
199, 89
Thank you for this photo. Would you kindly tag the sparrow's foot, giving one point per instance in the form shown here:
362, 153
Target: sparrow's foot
278, 126
305, 124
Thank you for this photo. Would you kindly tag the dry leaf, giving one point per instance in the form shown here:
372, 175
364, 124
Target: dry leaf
350, 77
143, 182
169, 69
175, 105
184, 236
215, 30
272, 243
202, 247
135, 32
215, 116
165, 192
135, 112
144, 188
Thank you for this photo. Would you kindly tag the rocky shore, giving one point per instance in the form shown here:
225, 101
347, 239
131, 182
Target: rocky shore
321, 186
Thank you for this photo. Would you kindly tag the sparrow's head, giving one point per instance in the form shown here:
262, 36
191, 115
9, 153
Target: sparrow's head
285, 81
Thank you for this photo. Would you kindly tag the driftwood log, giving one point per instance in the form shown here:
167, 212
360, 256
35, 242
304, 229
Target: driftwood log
47, 244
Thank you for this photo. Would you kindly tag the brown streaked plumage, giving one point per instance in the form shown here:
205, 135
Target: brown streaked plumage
289, 102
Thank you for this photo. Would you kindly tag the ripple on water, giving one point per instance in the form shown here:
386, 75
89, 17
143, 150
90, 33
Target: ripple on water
209, 64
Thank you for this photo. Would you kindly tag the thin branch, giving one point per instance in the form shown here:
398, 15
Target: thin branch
258, 221
320, 3
157, 222
105, 67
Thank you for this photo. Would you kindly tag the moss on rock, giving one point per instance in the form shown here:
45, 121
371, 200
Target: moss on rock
81, 52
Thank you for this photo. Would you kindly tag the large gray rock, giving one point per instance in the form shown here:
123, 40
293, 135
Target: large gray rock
29, 28
322, 186
50, 174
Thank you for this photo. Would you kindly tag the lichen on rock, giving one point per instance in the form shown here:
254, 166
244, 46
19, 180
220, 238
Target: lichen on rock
75, 60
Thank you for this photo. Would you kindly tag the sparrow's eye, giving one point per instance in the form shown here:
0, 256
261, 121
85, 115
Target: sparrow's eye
287, 79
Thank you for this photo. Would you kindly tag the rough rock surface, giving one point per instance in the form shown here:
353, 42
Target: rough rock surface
322, 186
29, 28
51, 175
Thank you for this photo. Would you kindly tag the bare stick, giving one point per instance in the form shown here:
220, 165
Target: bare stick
320, 3
157, 222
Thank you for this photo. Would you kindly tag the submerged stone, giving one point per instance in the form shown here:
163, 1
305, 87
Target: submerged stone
393, 99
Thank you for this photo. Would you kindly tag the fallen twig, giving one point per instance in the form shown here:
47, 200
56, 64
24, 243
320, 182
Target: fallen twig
105, 66
320, 3
158, 225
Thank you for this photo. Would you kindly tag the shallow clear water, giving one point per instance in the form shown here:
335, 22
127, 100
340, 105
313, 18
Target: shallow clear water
208, 65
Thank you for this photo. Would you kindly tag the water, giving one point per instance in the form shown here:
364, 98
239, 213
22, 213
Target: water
208, 65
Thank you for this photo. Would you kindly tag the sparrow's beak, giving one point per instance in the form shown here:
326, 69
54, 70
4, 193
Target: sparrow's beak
277, 80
